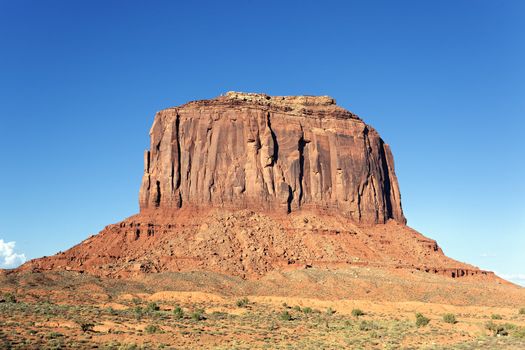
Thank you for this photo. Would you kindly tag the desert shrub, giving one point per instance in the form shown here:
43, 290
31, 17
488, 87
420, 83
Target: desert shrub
449, 318
519, 333
178, 312
496, 329
242, 302
131, 346
297, 308
151, 328
330, 311
136, 301
10, 298
357, 312
421, 320
219, 315
138, 312
496, 317
285, 316
152, 306
368, 326
86, 327
522, 311
54, 335
198, 315
307, 310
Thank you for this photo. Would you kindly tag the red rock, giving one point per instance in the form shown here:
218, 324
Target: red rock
280, 153
245, 184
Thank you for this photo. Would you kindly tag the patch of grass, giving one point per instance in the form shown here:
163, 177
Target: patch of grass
330, 311
138, 311
307, 310
496, 317
421, 320
285, 316
152, 307
522, 311
10, 298
54, 335
519, 333
368, 326
178, 313
449, 318
152, 328
242, 302
198, 315
357, 312
219, 315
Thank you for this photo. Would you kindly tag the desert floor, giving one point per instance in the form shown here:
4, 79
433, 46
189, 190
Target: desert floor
61, 313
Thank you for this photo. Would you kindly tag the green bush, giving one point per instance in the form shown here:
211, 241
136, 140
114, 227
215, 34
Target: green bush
10, 298
522, 311
368, 326
151, 328
138, 312
198, 315
449, 318
421, 320
519, 333
307, 310
496, 317
330, 311
297, 308
285, 316
242, 302
178, 312
357, 312
152, 306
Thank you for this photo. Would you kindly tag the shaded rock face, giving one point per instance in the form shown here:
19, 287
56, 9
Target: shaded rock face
254, 151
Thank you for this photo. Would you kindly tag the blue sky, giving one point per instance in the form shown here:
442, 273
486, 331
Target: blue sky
442, 81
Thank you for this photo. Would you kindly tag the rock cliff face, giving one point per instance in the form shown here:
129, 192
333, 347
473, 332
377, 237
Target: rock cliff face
247, 184
254, 151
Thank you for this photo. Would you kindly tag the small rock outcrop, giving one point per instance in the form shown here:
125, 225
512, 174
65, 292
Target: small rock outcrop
281, 153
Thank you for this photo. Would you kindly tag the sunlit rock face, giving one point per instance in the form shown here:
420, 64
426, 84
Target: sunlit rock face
269, 153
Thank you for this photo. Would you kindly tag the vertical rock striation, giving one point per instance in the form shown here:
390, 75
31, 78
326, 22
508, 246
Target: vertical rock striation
261, 152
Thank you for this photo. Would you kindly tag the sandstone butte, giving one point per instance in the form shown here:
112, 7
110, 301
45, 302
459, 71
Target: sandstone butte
245, 184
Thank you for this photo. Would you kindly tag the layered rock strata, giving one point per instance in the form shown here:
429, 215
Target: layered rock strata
247, 184
261, 152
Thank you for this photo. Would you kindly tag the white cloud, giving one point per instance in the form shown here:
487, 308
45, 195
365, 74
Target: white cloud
518, 278
8, 257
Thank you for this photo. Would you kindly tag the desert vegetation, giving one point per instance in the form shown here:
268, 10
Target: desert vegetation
141, 323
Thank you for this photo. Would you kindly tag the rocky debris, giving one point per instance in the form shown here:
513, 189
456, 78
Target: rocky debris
258, 152
250, 244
